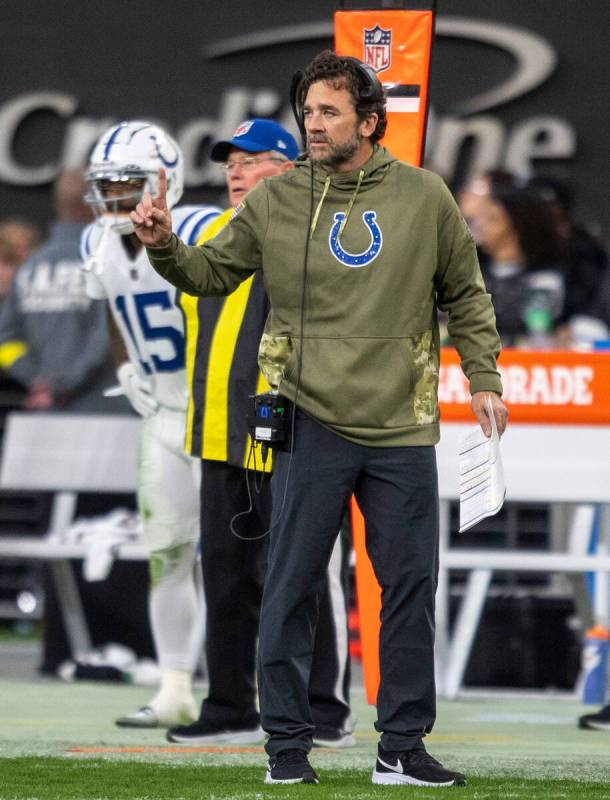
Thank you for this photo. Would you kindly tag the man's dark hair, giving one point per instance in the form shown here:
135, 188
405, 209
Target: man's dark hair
343, 73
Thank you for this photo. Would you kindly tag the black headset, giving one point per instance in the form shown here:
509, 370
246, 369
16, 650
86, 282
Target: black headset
370, 89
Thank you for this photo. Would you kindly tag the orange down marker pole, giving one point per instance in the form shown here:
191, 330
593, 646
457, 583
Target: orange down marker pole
396, 43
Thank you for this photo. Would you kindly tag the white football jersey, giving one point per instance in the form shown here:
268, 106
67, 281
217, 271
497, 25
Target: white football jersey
143, 303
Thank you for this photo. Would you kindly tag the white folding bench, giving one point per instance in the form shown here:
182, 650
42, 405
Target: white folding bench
67, 454
556, 464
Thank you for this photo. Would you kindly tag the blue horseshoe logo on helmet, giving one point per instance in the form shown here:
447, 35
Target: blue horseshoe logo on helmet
356, 259
164, 160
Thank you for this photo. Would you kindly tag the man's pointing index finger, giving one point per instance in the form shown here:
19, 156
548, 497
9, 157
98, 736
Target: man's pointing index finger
161, 189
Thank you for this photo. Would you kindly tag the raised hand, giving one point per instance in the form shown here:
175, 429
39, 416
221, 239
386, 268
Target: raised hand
151, 218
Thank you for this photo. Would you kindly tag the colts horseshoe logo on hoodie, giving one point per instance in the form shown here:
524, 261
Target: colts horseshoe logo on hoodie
356, 259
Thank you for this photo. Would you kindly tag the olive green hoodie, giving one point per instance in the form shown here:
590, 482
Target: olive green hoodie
387, 245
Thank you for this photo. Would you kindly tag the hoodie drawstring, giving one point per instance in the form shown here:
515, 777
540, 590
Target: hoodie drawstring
319, 207
347, 210
349, 207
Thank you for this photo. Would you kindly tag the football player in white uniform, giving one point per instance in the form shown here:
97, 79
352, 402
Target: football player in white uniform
148, 340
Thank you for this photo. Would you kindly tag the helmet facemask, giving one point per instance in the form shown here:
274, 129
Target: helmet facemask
112, 196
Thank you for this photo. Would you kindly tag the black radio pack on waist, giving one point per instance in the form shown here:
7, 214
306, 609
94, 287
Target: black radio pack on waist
269, 424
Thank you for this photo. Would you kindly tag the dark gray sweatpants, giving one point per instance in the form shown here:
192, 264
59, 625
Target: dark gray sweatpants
397, 491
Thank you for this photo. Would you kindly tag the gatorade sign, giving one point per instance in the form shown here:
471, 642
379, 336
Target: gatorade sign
543, 387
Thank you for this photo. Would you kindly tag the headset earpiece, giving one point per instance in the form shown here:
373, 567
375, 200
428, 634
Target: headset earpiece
296, 101
371, 89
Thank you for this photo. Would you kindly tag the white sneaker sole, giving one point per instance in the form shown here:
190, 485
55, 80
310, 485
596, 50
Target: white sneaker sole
598, 726
228, 737
138, 722
269, 779
398, 779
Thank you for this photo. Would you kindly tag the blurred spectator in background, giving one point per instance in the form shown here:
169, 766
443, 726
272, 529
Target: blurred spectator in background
22, 236
585, 255
566, 246
601, 306
8, 267
523, 257
53, 338
473, 199
54, 341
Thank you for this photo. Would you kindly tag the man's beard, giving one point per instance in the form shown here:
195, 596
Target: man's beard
339, 153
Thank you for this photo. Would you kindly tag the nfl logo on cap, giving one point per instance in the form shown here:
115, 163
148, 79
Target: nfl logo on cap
256, 136
243, 128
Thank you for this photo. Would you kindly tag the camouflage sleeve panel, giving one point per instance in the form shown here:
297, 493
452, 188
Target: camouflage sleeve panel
273, 355
426, 362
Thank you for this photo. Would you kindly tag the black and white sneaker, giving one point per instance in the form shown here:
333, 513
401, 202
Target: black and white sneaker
332, 737
596, 722
290, 766
415, 767
204, 732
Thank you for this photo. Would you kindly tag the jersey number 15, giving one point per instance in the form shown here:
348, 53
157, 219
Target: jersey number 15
150, 332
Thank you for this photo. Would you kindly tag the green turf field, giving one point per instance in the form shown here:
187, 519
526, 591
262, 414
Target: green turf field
57, 741
53, 779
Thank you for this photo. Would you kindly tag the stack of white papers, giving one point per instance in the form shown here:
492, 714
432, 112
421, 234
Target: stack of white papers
482, 487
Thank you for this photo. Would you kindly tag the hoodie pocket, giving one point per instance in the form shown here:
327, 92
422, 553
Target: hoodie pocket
367, 383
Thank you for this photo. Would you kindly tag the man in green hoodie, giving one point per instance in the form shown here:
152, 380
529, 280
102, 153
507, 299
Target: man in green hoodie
358, 250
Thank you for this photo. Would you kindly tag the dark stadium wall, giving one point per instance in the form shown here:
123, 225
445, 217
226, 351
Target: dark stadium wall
515, 84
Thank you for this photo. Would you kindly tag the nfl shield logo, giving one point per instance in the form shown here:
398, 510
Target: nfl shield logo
377, 47
243, 128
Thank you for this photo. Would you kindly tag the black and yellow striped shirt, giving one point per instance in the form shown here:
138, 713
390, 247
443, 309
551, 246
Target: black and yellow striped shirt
222, 337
